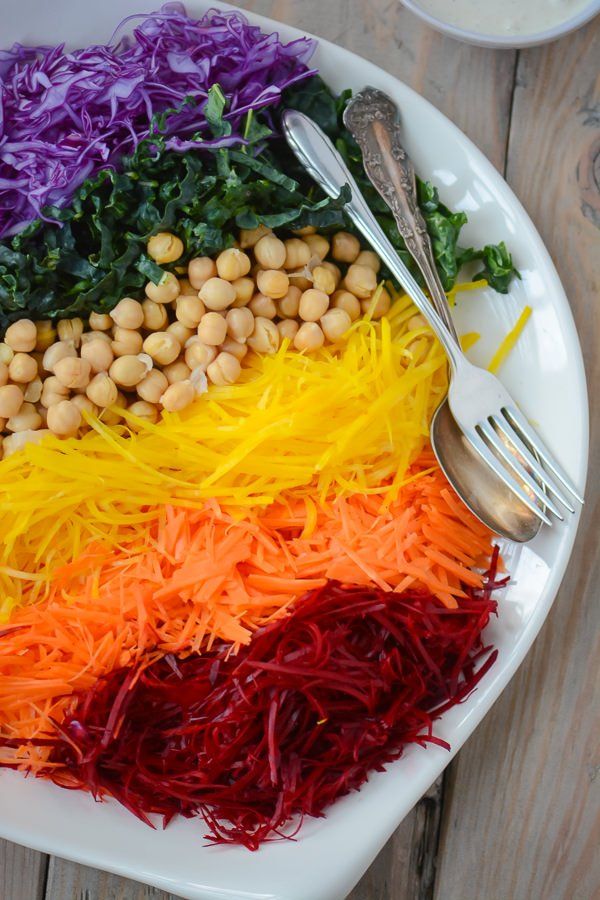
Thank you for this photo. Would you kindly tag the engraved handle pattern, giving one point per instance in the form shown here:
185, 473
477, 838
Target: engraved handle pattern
372, 119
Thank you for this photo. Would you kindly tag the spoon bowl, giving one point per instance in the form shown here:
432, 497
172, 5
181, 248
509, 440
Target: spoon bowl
477, 485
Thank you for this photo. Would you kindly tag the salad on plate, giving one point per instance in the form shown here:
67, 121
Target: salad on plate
234, 580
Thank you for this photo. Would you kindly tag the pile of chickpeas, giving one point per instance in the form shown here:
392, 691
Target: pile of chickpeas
193, 328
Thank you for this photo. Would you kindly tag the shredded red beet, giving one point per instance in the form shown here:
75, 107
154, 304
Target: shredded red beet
300, 717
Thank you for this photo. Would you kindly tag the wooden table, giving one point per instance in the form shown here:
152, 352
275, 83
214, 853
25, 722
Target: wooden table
517, 814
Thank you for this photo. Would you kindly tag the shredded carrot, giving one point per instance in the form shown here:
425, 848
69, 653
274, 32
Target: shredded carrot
346, 418
509, 341
200, 575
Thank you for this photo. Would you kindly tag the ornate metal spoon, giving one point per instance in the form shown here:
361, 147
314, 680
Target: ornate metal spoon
372, 118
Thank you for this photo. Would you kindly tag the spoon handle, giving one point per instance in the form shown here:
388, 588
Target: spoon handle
321, 160
372, 118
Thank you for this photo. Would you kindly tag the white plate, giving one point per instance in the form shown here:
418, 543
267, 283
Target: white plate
545, 372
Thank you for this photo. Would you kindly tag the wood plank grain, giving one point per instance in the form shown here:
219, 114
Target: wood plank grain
67, 881
522, 818
473, 86
22, 872
405, 868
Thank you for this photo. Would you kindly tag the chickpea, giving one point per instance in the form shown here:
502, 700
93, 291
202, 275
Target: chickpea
200, 270
335, 270
224, 370
335, 323
4, 373
155, 315
33, 391
416, 322
73, 372
212, 329
308, 229
299, 281
180, 332
46, 335
360, 281
217, 294
152, 387
269, 252
21, 336
198, 355
265, 337
370, 259
345, 247
11, 400
127, 371
143, 410
288, 328
189, 309
262, 306
111, 416
98, 354
319, 245
38, 356
378, 305
53, 391
7, 353
102, 390
313, 304
250, 236
23, 368
55, 352
128, 313
165, 291
84, 404
240, 323
126, 342
164, 247
14, 442
348, 302
100, 321
164, 348
235, 348
273, 283
288, 306
232, 264
70, 330
297, 254
177, 371
178, 396
43, 414
309, 337
89, 336
64, 418
27, 418
244, 291
324, 280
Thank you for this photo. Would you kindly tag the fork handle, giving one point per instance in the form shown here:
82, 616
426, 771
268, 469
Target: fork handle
372, 119
321, 160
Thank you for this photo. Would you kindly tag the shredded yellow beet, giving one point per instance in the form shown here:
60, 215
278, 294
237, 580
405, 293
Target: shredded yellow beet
509, 341
344, 419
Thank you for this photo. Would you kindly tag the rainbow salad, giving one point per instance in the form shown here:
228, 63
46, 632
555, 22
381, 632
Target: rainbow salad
233, 579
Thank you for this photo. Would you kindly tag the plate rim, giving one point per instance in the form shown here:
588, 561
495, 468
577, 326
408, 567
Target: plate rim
330, 886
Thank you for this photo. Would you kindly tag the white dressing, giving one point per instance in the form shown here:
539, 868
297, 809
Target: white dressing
504, 17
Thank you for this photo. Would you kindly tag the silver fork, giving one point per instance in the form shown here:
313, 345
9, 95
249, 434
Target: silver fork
482, 407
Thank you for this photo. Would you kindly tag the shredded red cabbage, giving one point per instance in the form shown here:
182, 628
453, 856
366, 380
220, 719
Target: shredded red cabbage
65, 115
300, 717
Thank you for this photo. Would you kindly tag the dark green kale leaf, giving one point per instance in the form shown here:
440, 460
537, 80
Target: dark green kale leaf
316, 100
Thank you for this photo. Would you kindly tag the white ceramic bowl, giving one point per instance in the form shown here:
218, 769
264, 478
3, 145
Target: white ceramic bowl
506, 41
544, 373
